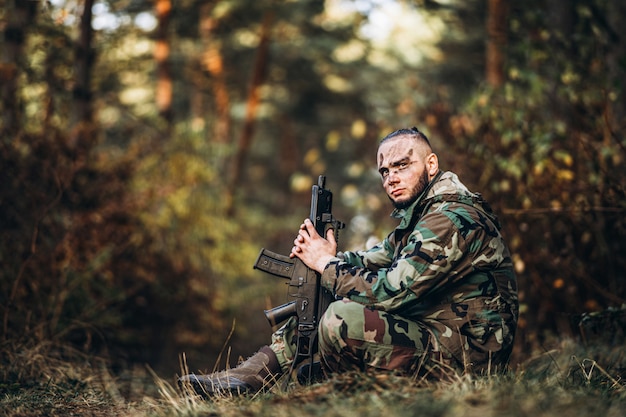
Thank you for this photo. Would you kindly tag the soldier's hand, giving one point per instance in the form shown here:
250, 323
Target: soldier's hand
314, 250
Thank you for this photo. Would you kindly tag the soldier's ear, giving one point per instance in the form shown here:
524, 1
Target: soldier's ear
432, 165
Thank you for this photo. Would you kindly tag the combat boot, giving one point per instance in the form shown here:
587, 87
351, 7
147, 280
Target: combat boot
259, 371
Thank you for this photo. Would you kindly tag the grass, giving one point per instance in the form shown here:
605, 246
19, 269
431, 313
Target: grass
571, 381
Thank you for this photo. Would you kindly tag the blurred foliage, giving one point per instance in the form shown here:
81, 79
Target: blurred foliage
544, 151
123, 246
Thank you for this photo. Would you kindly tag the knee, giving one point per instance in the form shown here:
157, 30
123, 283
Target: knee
340, 316
341, 311
341, 336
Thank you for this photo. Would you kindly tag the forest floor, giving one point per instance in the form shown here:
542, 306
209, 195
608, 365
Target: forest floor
570, 381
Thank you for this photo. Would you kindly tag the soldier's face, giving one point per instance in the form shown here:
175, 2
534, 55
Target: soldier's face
405, 168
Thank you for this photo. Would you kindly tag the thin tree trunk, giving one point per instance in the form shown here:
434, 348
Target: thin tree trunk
81, 117
213, 63
497, 14
289, 152
164, 88
245, 140
19, 15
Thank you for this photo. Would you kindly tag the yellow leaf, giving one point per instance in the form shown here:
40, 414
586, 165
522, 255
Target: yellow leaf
565, 174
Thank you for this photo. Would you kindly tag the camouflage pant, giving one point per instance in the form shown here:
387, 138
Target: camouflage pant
352, 336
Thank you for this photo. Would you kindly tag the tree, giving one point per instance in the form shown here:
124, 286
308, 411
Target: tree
82, 112
252, 103
213, 62
496, 41
19, 17
161, 54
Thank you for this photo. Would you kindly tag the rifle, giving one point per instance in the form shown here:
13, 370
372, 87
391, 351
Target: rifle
310, 299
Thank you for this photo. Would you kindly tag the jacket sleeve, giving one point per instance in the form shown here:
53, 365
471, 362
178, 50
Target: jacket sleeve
377, 279
379, 256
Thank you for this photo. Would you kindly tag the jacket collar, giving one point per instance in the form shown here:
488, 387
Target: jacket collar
446, 186
405, 215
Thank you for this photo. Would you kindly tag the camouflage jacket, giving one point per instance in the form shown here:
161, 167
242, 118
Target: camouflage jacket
446, 266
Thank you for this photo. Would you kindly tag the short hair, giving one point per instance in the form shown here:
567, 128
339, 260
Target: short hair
413, 132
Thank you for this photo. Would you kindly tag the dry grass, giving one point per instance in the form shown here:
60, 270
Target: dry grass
570, 381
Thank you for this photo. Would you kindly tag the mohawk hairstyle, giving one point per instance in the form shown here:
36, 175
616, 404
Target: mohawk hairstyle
412, 132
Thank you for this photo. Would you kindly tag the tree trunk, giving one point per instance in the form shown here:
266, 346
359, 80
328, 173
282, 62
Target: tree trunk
164, 89
84, 55
497, 14
213, 63
19, 15
245, 140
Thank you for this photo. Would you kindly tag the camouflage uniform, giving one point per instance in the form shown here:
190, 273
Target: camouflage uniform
439, 292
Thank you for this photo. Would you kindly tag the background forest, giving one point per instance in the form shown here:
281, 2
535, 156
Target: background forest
150, 149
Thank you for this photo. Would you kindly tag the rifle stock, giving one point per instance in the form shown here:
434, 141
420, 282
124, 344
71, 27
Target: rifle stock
310, 299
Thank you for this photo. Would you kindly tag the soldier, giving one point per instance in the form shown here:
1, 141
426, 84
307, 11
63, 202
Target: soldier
438, 295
